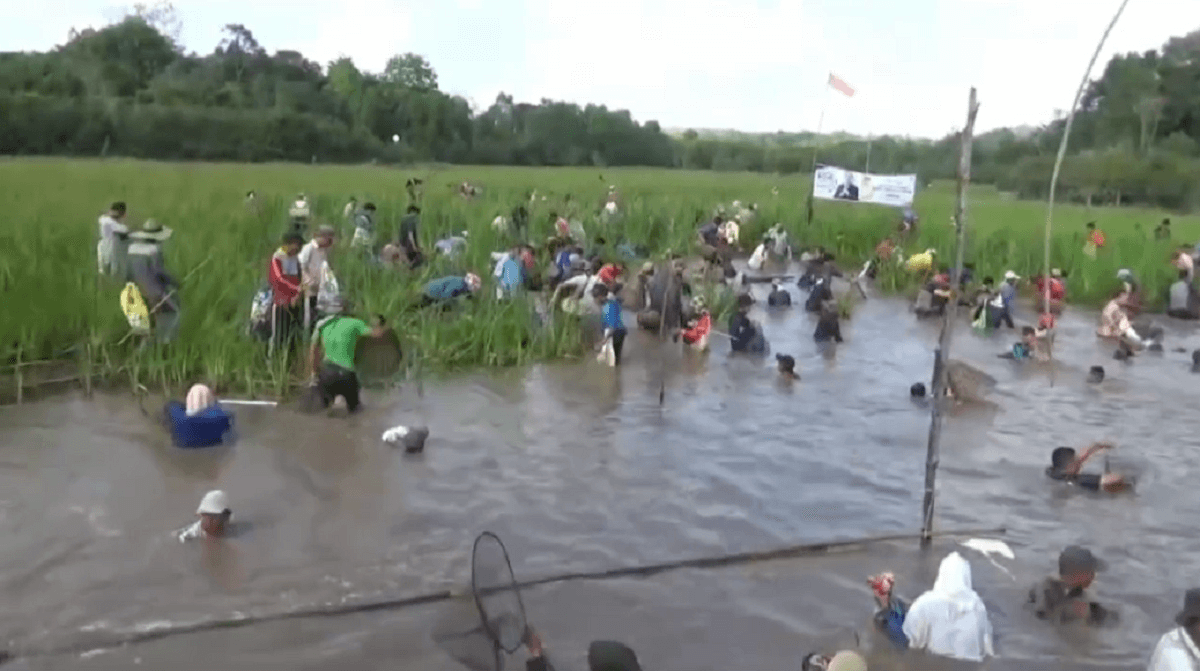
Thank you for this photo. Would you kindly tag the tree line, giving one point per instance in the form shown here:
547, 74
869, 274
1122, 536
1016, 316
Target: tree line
129, 89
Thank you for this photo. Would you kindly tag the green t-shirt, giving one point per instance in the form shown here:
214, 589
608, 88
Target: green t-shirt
340, 337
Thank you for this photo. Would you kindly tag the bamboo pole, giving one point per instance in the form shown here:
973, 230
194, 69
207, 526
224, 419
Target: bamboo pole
1058, 161
942, 354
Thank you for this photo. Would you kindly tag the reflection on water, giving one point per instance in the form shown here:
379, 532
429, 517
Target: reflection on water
578, 467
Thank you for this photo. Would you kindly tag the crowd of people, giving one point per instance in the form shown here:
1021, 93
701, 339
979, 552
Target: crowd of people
303, 302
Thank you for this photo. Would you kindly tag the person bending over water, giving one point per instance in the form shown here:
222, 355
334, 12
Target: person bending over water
779, 297
331, 358
1065, 466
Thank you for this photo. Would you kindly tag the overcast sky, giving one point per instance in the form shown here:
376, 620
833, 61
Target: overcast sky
753, 65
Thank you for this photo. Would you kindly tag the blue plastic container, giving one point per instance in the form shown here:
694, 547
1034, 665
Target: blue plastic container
204, 429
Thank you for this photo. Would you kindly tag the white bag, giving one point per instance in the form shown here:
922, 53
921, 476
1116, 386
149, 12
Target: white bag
607, 354
757, 258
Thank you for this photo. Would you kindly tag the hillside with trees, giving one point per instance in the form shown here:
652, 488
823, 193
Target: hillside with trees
129, 89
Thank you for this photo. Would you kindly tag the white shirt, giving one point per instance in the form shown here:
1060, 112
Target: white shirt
110, 227
1176, 651
950, 619
312, 261
191, 532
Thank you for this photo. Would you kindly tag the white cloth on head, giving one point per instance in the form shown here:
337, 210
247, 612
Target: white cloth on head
950, 619
199, 398
1176, 651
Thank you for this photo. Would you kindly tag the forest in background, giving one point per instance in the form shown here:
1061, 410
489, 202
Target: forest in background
129, 89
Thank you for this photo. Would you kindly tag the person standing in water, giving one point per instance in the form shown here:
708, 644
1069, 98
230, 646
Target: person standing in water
1064, 598
1179, 649
214, 514
331, 357
1182, 299
779, 297
611, 320
744, 334
787, 367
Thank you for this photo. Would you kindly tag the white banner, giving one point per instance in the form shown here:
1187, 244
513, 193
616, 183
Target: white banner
832, 183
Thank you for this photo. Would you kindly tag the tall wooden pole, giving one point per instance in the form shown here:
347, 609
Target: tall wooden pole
1058, 161
942, 354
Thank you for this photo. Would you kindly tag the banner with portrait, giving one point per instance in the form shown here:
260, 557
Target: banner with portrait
833, 183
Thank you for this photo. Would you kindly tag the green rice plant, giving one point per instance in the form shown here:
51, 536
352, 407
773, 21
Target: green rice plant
56, 307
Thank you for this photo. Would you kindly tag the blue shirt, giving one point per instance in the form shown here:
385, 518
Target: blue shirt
511, 274
1008, 293
610, 317
446, 288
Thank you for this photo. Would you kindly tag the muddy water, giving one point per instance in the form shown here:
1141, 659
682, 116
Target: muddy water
580, 468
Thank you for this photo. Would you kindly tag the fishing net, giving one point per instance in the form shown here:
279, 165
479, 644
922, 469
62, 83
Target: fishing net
496, 593
378, 359
968, 383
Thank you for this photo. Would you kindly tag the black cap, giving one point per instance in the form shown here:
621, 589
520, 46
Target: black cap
786, 361
1191, 609
1077, 559
1096, 373
1061, 456
612, 656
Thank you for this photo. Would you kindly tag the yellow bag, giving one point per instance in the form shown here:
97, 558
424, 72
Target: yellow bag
135, 310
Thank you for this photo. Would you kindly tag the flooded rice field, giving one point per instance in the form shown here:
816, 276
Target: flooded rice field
578, 468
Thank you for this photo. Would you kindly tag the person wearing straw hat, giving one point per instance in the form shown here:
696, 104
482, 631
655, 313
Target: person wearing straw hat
1179, 649
148, 271
214, 514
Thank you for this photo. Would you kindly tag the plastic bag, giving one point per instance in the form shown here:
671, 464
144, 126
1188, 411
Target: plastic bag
757, 258
134, 307
607, 354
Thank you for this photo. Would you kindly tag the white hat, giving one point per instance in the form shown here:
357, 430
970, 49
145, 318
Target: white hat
213, 503
931, 251
1010, 275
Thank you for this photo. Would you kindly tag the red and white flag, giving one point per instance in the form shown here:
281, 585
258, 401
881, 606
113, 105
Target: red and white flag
841, 85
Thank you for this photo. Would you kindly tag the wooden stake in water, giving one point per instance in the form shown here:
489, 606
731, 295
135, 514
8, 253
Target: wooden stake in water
942, 354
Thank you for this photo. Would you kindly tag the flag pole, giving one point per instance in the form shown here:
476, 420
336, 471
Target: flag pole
816, 145
870, 137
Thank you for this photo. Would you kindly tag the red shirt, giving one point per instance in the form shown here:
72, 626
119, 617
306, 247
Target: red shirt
701, 329
608, 274
284, 285
1097, 237
1058, 290
527, 259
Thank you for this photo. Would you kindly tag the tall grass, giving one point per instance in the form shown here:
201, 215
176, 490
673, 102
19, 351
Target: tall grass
55, 307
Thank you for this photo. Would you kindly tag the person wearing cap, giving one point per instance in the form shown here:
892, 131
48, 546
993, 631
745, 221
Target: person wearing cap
844, 660
148, 271
1064, 598
313, 258
445, 290
331, 357
921, 263
1179, 649
214, 514
111, 249
779, 297
1065, 466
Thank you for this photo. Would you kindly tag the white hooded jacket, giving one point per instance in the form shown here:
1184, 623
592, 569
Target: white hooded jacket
950, 620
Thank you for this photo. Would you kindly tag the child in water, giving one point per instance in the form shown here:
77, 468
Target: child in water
787, 367
1027, 348
1065, 466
